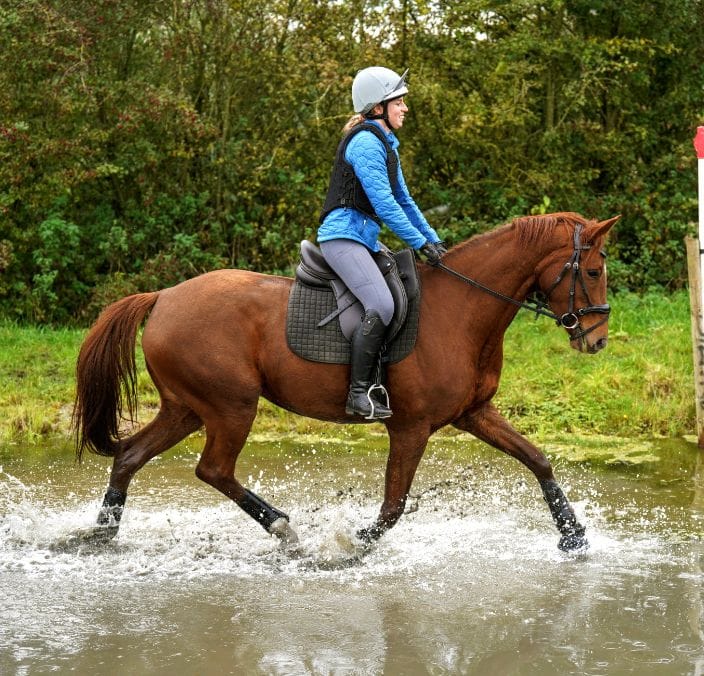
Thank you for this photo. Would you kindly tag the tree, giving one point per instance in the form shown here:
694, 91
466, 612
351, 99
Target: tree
143, 143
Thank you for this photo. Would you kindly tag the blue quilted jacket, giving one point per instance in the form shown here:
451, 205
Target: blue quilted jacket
397, 210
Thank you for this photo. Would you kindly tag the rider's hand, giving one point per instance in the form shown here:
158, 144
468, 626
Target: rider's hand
441, 248
431, 253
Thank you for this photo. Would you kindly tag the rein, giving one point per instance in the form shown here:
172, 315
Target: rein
570, 320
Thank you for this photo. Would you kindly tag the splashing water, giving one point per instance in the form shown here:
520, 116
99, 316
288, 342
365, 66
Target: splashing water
469, 581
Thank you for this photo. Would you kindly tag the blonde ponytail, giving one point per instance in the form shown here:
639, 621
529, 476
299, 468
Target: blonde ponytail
355, 120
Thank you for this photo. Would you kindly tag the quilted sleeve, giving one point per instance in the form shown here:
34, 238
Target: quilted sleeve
367, 155
410, 208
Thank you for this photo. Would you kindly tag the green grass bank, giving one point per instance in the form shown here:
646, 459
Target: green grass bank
640, 386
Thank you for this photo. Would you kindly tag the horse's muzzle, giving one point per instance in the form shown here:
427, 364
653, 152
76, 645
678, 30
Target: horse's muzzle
582, 344
598, 345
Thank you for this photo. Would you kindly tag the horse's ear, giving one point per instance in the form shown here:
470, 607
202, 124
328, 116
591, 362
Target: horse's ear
601, 229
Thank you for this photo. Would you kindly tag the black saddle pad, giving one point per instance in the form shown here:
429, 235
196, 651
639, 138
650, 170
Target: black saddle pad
307, 306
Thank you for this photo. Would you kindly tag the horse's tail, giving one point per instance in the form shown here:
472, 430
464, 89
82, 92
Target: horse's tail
106, 375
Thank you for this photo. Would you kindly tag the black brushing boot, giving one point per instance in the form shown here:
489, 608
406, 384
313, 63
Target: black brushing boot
367, 340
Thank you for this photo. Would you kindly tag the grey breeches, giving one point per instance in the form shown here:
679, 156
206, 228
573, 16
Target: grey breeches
355, 266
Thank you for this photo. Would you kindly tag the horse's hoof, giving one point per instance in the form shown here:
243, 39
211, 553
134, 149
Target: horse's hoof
343, 550
352, 546
91, 538
363, 541
574, 543
368, 536
286, 535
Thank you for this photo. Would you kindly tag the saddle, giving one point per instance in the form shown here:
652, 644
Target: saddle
323, 313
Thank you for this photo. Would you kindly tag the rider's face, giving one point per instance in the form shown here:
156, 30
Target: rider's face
396, 111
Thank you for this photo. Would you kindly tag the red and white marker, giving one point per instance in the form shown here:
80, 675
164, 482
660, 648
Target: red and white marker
699, 147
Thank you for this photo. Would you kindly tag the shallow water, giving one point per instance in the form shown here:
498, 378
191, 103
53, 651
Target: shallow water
470, 581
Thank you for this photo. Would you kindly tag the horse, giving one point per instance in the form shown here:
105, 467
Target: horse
214, 344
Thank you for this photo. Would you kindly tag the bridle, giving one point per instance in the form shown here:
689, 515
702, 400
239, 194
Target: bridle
570, 320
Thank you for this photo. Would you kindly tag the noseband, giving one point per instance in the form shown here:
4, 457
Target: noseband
570, 320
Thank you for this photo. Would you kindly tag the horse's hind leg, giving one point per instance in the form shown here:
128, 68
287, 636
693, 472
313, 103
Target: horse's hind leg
405, 451
489, 425
173, 423
225, 439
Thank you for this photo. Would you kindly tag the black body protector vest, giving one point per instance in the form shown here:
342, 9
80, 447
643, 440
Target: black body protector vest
345, 188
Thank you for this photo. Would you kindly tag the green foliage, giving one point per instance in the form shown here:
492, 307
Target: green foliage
125, 127
640, 386
642, 383
181, 259
56, 260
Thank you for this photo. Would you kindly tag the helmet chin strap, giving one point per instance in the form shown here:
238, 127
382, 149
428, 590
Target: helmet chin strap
383, 115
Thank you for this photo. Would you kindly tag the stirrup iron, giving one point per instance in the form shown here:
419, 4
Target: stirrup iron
374, 387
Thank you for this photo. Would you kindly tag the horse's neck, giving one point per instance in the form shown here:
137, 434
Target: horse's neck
499, 262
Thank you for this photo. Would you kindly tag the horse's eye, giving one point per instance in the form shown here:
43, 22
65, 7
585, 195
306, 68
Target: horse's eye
594, 273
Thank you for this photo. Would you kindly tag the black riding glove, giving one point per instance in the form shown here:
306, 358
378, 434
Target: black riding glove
431, 254
441, 248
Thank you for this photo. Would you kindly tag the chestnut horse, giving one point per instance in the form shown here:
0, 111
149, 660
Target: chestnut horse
216, 343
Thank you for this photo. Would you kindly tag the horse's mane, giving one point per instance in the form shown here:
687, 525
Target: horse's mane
536, 228
530, 229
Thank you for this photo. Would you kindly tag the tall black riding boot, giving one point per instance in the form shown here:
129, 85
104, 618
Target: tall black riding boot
367, 340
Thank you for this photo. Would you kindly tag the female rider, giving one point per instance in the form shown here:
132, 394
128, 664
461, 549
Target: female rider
367, 188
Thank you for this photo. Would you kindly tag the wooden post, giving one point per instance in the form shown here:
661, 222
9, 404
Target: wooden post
695, 303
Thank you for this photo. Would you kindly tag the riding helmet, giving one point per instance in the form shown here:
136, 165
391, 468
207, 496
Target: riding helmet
376, 85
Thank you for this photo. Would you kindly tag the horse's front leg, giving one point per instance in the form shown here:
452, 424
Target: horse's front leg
405, 451
487, 424
224, 440
563, 515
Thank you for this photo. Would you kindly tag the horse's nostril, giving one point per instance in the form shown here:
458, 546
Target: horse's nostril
600, 344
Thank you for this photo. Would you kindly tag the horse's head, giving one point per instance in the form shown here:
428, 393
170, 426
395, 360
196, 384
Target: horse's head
573, 281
